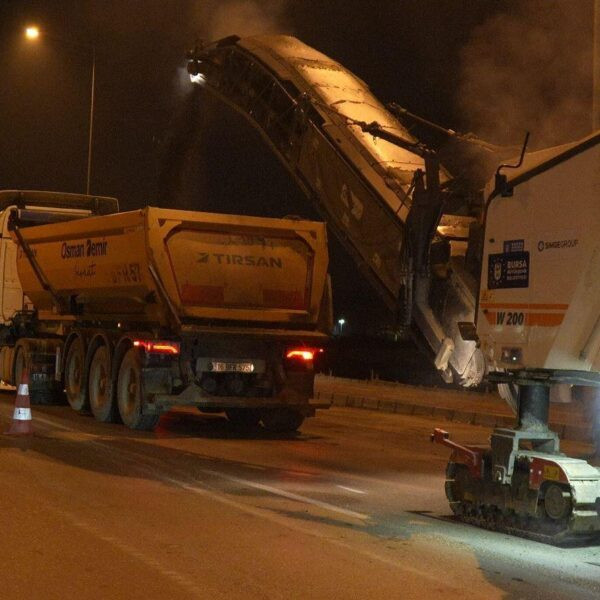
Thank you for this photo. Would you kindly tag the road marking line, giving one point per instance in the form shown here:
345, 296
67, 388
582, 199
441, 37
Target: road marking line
246, 482
290, 495
260, 486
290, 523
349, 489
57, 425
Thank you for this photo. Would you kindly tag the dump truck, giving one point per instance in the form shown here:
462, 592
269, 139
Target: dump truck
134, 313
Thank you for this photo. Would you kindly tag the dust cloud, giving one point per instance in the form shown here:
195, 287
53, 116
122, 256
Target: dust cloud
183, 176
160, 32
219, 18
208, 20
529, 68
215, 19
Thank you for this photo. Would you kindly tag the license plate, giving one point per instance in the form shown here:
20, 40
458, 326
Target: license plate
232, 367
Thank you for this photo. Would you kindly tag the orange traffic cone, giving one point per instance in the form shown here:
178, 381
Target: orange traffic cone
21, 424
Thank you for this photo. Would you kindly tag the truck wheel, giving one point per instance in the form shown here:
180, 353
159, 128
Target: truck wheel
74, 371
243, 418
281, 420
129, 393
102, 403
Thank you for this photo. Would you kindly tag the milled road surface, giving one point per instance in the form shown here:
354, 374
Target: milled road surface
353, 507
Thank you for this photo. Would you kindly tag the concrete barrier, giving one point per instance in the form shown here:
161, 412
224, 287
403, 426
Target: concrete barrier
443, 411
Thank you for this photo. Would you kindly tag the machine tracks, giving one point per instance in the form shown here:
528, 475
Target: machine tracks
494, 518
540, 530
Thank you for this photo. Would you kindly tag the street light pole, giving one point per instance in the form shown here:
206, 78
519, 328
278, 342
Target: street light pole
91, 128
596, 67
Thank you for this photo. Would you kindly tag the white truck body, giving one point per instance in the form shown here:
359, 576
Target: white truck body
539, 300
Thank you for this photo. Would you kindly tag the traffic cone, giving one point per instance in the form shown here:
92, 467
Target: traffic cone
21, 424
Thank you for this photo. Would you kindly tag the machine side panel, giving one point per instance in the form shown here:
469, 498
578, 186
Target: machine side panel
540, 290
352, 211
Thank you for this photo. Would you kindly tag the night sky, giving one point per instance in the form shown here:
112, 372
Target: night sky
492, 66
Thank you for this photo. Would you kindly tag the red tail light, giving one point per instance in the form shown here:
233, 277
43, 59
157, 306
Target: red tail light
157, 347
305, 354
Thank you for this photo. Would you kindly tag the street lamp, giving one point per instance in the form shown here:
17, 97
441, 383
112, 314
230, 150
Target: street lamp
341, 323
33, 33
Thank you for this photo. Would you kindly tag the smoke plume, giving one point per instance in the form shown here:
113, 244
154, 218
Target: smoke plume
207, 19
183, 173
157, 33
218, 18
182, 182
530, 70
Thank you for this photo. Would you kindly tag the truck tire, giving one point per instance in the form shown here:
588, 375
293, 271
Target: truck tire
129, 393
243, 418
75, 388
48, 394
102, 402
281, 420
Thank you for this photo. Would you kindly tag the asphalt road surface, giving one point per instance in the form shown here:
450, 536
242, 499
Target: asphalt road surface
353, 507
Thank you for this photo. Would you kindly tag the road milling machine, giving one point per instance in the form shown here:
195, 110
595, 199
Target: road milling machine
502, 283
538, 325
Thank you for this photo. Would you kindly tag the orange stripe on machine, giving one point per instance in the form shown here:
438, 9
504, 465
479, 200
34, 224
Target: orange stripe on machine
544, 319
523, 306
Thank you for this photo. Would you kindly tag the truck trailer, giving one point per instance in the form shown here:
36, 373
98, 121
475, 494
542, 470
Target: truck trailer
134, 313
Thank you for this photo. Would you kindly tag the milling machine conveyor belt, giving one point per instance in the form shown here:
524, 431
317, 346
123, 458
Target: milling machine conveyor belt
333, 136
